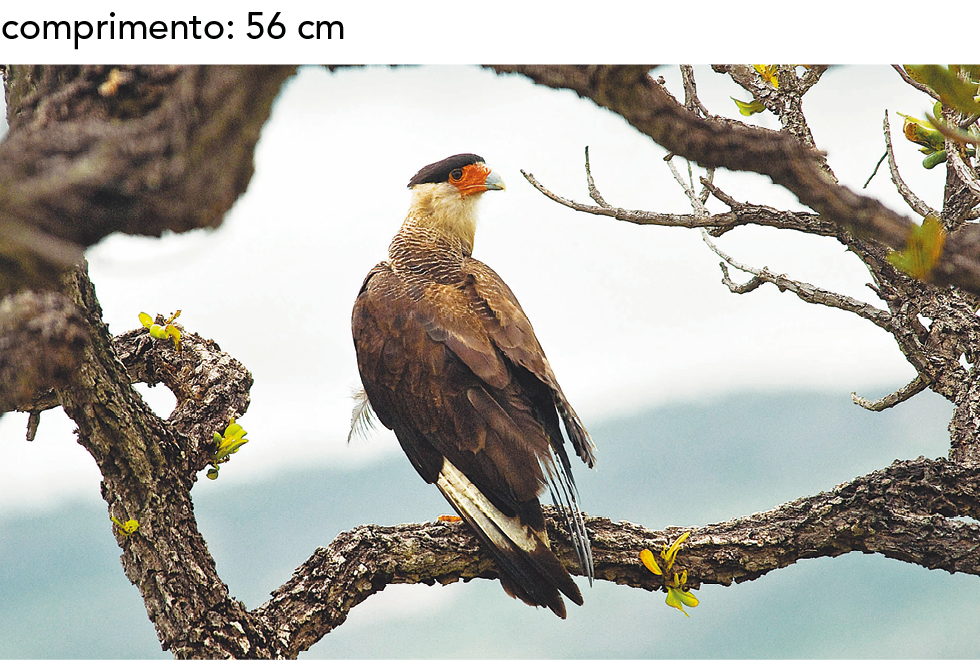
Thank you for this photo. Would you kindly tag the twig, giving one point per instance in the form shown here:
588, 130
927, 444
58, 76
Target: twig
880, 161
707, 185
917, 385
33, 420
749, 286
808, 223
593, 191
806, 292
627, 215
742, 214
910, 197
699, 210
919, 86
812, 76
691, 100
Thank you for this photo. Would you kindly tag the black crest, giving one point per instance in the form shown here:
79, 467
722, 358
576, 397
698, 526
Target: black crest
439, 172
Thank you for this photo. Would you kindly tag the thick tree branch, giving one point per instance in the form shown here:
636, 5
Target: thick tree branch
210, 386
95, 150
42, 336
903, 512
148, 467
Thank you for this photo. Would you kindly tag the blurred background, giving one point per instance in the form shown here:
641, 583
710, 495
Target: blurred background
704, 405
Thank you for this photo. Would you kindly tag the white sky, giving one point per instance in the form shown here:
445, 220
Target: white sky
629, 316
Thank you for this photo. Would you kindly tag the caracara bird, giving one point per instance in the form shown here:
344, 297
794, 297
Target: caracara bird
450, 363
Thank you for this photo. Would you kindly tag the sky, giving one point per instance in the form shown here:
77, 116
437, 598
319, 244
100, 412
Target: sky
629, 316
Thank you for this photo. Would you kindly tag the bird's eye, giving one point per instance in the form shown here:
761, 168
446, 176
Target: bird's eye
456, 175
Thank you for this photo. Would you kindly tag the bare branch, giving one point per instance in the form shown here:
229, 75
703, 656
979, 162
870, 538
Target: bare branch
918, 384
811, 76
805, 292
691, 100
627, 215
766, 216
688, 187
593, 191
751, 285
741, 214
914, 202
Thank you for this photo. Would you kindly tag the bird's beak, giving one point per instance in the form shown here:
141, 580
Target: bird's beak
494, 182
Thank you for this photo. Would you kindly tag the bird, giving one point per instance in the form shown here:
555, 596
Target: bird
449, 361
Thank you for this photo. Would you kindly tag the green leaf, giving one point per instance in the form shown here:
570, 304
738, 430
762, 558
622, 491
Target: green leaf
921, 132
750, 108
687, 598
934, 159
674, 600
923, 248
227, 444
228, 448
954, 92
145, 319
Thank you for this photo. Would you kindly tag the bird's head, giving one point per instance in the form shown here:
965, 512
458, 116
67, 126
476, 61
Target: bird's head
445, 194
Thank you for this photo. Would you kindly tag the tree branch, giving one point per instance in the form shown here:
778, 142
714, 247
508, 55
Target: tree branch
914, 202
210, 386
918, 384
95, 150
42, 336
741, 214
967, 175
148, 467
804, 291
902, 512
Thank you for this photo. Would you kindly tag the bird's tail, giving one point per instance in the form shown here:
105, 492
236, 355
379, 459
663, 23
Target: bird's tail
529, 569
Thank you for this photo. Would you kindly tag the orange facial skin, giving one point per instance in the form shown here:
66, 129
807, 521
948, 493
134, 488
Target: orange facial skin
475, 178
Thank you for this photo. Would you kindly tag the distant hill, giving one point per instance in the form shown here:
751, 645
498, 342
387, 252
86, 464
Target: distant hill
63, 593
